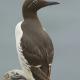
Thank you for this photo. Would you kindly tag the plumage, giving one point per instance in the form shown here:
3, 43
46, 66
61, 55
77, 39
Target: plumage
14, 75
34, 46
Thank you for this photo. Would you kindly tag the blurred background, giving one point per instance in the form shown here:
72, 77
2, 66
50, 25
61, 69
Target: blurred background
62, 22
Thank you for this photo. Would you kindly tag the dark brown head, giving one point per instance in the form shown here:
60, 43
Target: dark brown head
32, 6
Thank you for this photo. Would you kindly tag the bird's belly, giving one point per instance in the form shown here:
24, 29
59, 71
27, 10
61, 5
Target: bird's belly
37, 46
23, 61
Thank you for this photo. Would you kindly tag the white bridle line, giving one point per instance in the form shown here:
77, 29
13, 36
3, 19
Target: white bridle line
33, 2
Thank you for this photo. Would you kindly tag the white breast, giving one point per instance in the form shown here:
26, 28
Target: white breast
23, 61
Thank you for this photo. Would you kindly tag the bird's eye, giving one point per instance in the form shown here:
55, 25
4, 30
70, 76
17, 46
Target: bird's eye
34, 2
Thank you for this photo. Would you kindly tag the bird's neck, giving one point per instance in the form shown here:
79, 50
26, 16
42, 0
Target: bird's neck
32, 18
30, 15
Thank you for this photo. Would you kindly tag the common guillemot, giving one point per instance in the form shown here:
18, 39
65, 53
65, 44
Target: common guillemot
34, 46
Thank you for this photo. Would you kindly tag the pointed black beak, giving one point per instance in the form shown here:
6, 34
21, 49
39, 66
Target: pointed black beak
48, 3
44, 3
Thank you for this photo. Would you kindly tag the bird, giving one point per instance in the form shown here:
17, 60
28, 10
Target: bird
34, 45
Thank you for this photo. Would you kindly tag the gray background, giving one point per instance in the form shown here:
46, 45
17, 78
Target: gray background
62, 22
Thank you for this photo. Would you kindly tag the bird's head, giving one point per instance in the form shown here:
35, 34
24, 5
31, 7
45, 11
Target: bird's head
35, 5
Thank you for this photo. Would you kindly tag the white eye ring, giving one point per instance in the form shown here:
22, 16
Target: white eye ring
34, 2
